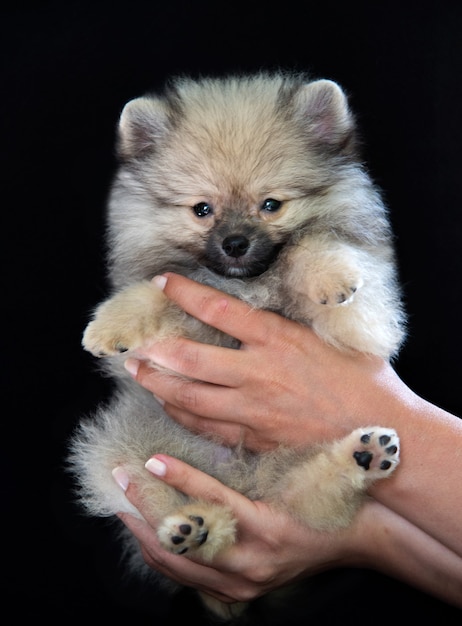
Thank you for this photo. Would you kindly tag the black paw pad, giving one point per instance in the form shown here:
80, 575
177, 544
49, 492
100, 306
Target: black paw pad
176, 539
196, 518
363, 459
384, 465
384, 439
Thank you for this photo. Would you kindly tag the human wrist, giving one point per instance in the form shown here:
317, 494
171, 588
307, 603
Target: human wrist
360, 543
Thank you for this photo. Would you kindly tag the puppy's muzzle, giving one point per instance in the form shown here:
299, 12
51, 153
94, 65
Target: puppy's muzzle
239, 250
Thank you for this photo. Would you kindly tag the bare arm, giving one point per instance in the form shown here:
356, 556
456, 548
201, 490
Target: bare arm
285, 385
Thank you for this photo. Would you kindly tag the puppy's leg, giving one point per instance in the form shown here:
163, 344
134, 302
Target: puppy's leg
328, 272
124, 322
326, 491
205, 529
351, 299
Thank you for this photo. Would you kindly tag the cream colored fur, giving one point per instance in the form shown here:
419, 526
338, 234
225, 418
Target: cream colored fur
270, 159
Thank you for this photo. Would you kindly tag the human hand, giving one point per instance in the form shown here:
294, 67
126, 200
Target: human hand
284, 385
272, 550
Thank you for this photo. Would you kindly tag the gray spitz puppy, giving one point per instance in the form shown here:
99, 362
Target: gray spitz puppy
251, 184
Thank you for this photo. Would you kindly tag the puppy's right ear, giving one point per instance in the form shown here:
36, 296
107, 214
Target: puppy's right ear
142, 123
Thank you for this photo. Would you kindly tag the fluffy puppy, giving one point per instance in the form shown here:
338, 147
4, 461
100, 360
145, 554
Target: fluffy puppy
251, 184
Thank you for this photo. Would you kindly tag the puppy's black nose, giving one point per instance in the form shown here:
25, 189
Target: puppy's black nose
235, 245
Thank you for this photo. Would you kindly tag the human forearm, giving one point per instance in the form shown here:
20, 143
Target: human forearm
426, 489
384, 541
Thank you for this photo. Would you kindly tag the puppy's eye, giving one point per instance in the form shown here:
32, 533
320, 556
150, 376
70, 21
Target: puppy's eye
270, 205
202, 209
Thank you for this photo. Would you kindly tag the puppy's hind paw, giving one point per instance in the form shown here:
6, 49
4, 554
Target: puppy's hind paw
203, 528
377, 451
179, 533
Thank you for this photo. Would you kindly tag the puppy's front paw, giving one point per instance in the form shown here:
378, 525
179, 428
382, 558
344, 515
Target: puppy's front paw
125, 321
334, 289
206, 528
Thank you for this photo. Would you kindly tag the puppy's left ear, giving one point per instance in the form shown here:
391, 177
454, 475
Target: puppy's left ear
324, 111
143, 123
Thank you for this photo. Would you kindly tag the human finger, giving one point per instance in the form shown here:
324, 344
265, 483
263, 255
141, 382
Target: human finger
193, 482
231, 433
195, 399
200, 361
222, 311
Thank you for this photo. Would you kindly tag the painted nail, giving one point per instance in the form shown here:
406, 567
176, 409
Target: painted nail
121, 477
156, 467
160, 281
132, 366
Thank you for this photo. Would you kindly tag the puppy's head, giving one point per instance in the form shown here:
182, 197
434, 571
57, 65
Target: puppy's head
224, 171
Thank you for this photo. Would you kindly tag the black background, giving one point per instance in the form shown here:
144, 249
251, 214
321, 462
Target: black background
67, 70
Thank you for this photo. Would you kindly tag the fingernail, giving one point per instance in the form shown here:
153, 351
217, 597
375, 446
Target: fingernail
156, 467
160, 281
132, 366
121, 477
